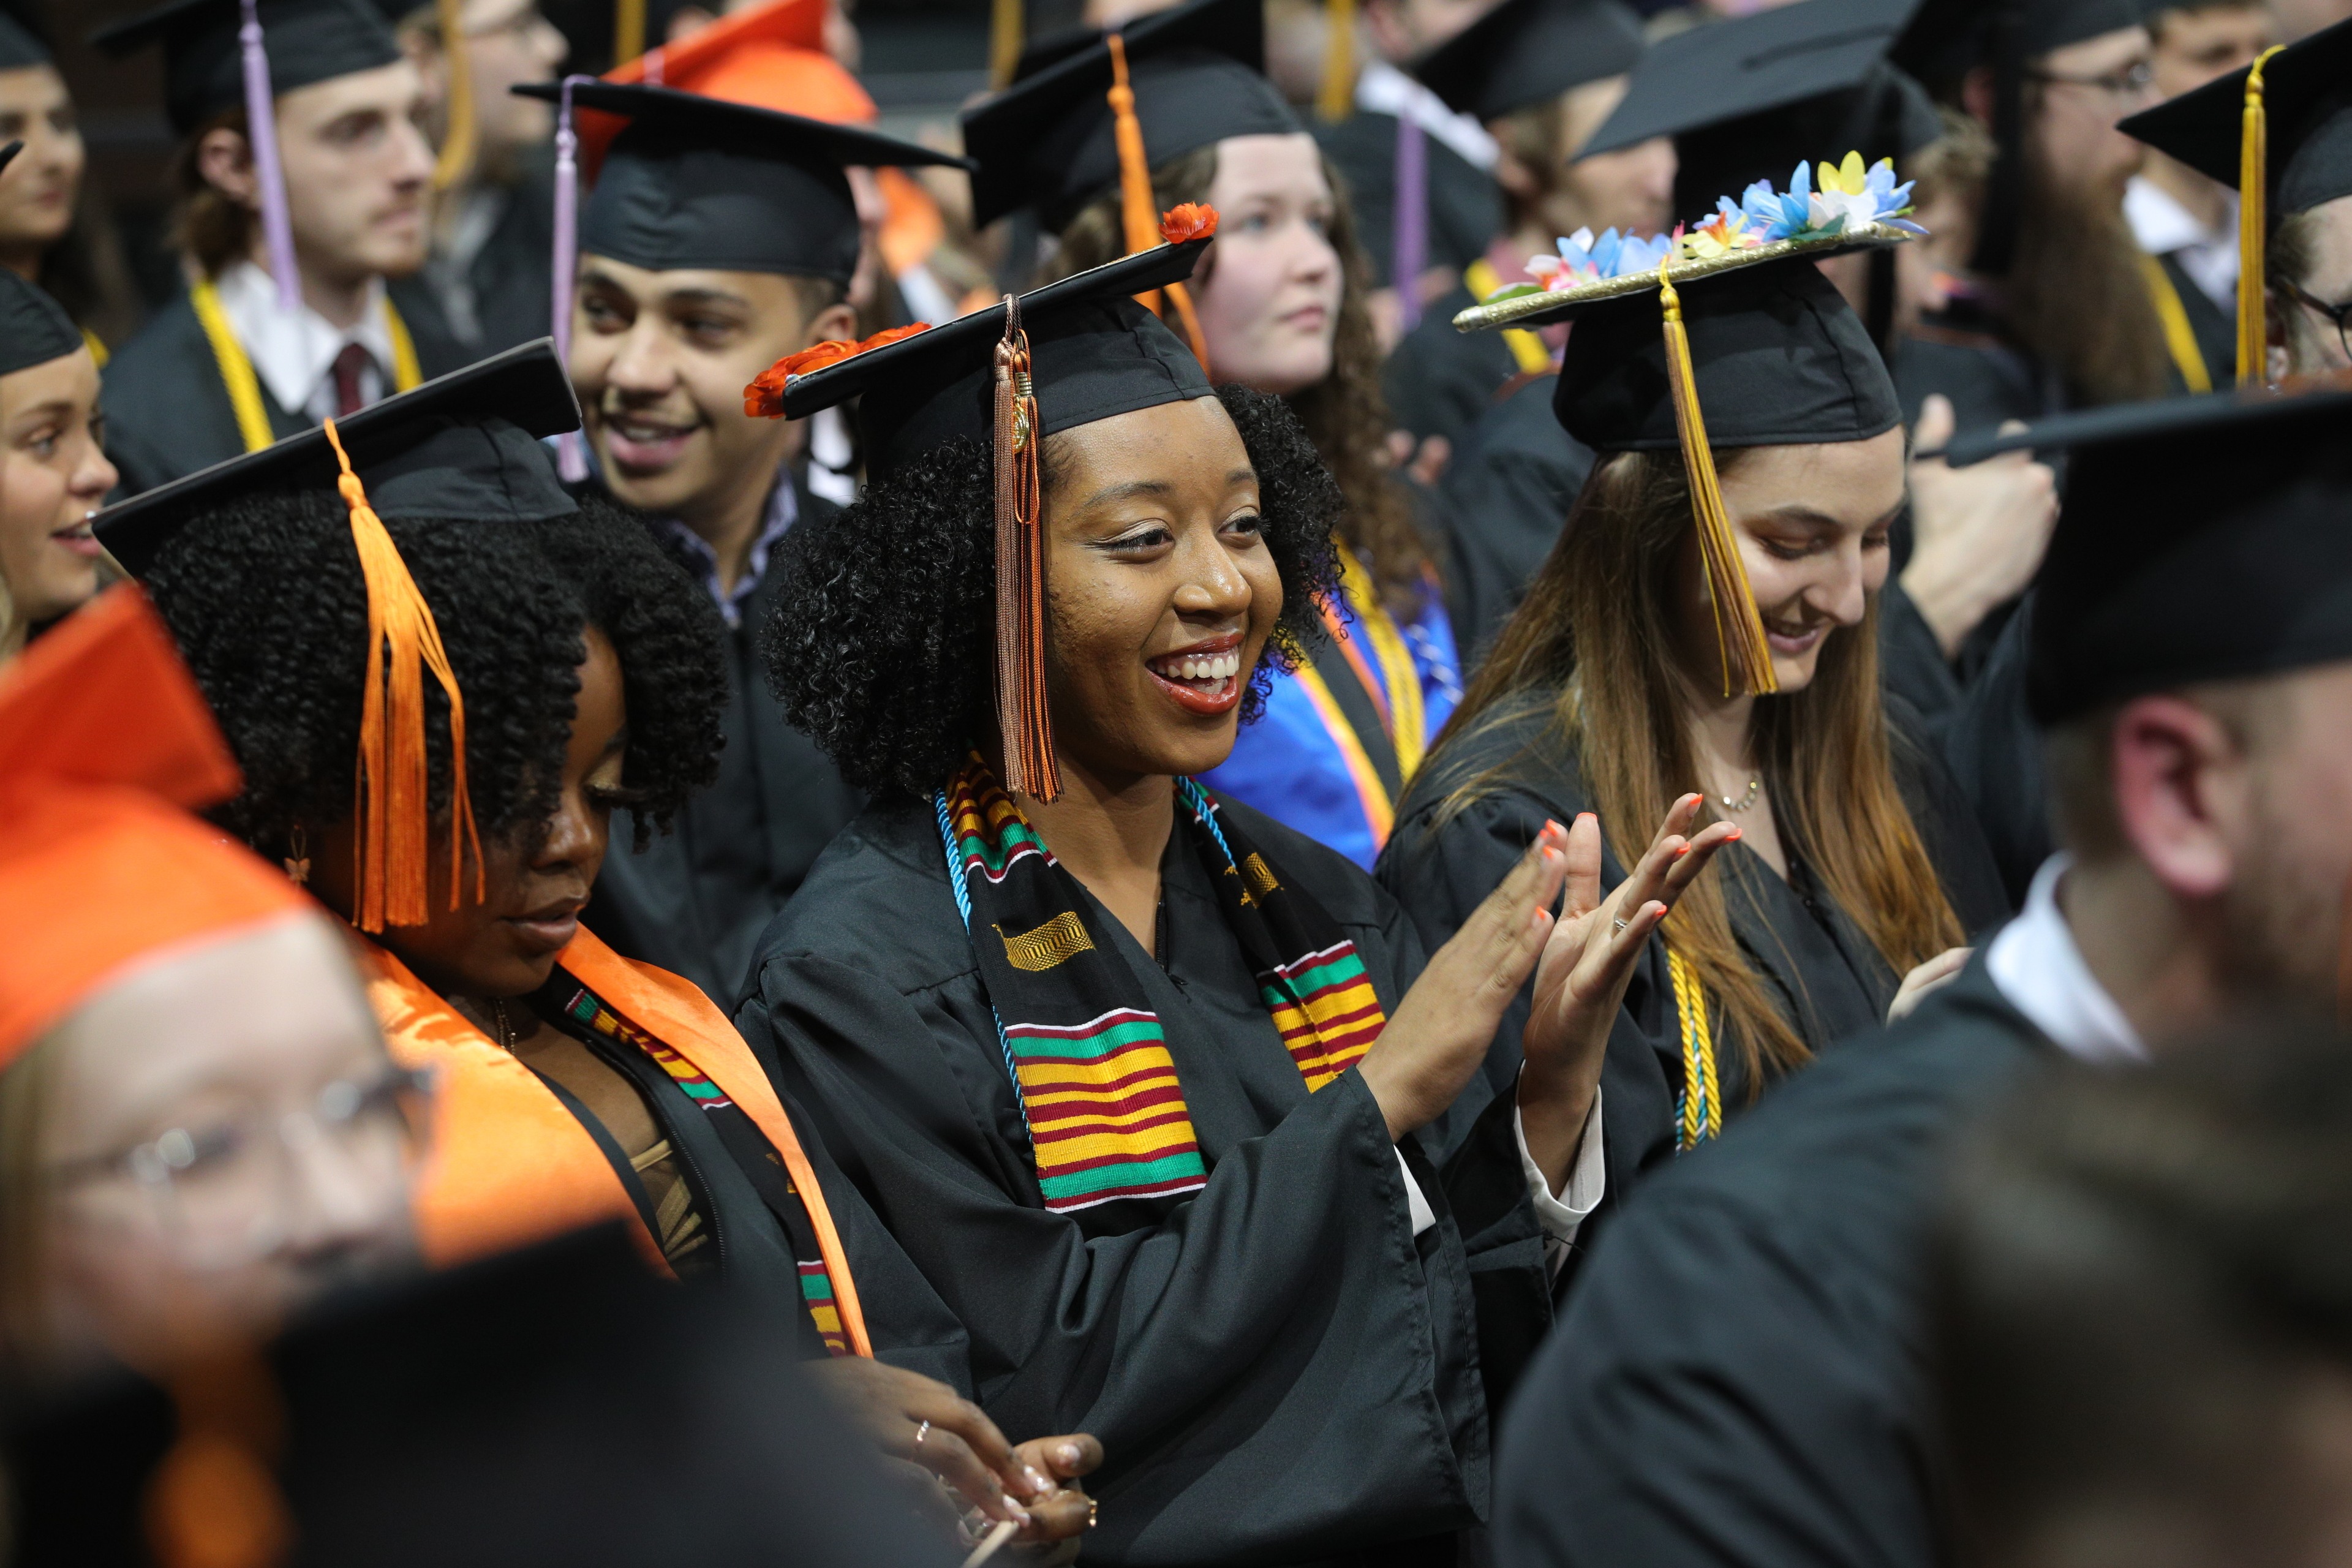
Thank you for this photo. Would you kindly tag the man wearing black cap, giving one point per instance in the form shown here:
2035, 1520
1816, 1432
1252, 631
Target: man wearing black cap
288, 323
2060, 313
2305, 250
1738, 1380
720, 239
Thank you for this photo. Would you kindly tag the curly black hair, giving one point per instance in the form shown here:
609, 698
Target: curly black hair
881, 644
669, 636
265, 598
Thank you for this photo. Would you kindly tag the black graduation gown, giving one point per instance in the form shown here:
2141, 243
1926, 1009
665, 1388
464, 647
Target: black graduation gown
2215, 329
1278, 1369
695, 900
553, 1405
1510, 489
167, 410
1832, 983
1465, 206
1994, 749
1738, 1377
513, 302
1989, 380
1439, 381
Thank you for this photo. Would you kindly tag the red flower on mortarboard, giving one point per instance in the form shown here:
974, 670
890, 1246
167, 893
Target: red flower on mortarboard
1193, 220
765, 398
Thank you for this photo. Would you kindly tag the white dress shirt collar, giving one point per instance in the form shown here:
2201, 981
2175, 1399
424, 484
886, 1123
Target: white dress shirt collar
2040, 970
1381, 89
294, 353
2164, 227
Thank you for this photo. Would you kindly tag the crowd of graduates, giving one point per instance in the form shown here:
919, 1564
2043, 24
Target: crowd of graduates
1532, 782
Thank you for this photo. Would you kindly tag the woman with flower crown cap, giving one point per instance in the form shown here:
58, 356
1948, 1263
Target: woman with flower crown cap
1136, 1075
1707, 622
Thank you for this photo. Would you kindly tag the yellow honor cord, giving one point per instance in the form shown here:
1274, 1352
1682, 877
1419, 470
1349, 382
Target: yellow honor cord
1005, 26
457, 131
1335, 98
2253, 190
1740, 630
628, 30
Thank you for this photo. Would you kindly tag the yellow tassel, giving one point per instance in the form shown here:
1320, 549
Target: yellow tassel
1738, 629
2254, 188
1336, 98
457, 135
392, 798
628, 30
1005, 29
1139, 220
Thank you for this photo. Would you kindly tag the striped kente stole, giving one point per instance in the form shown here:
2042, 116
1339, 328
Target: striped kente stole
738, 1131
1104, 1110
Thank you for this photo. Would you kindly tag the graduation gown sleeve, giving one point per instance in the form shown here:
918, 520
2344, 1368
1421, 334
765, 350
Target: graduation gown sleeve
1278, 1368
1737, 1379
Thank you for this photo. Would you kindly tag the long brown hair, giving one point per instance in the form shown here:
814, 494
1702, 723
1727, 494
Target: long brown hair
1344, 415
208, 226
1596, 637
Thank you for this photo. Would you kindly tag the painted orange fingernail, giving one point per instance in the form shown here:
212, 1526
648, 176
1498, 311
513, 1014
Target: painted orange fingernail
1681, 851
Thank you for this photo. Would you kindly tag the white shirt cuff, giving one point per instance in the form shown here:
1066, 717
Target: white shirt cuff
1423, 1217
1563, 1213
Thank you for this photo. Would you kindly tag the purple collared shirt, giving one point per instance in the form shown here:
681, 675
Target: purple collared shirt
784, 511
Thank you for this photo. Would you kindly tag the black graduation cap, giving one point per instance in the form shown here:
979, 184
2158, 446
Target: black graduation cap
705, 182
1047, 141
18, 47
2308, 97
463, 445
1526, 52
308, 41
1781, 361
34, 328
1946, 38
2203, 539
1749, 98
1095, 353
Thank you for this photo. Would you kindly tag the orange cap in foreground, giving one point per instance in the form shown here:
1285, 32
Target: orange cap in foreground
106, 748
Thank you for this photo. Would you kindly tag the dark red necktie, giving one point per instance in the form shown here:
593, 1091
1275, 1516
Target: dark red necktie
349, 364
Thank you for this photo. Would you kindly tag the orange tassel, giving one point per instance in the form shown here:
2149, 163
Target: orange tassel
1142, 233
391, 800
1022, 720
764, 397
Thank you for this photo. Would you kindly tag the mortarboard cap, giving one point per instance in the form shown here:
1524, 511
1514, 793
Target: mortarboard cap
2163, 574
1526, 52
106, 748
1944, 39
2307, 97
1049, 141
463, 445
34, 328
309, 41
18, 49
1749, 98
703, 181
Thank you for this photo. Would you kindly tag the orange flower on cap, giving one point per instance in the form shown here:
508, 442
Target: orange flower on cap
765, 398
1193, 220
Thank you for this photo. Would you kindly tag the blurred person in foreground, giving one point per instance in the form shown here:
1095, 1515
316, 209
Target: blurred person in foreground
2142, 1313
1737, 1378
52, 472
54, 229
205, 1140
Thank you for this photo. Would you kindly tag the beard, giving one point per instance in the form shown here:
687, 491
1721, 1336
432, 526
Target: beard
2284, 924
2078, 295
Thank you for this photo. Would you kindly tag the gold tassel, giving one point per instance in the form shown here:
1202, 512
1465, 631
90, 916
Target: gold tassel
1022, 720
1738, 629
1137, 220
458, 135
1335, 99
392, 797
2254, 191
628, 30
1005, 29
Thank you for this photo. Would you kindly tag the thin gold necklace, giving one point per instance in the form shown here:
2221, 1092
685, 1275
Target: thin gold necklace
1755, 787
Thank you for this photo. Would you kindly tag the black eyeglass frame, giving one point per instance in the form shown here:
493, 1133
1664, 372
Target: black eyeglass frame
2339, 316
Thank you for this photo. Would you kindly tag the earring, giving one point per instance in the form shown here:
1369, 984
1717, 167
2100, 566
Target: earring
297, 856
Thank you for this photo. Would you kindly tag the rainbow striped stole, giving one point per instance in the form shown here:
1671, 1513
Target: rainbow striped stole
1105, 1109
816, 1294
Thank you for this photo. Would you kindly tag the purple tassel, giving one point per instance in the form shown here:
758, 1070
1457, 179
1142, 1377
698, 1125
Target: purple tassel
261, 134
1411, 224
570, 450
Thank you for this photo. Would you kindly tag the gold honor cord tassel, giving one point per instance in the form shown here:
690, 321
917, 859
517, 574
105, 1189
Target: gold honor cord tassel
457, 84
1738, 629
1005, 26
2254, 192
392, 797
1335, 97
628, 30
1022, 720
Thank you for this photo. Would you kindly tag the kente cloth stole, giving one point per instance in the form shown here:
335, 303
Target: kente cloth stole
740, 1134
1099, 1091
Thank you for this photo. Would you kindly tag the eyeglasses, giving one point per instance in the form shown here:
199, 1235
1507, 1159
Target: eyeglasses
2340, 315
225, 1188
2135, 80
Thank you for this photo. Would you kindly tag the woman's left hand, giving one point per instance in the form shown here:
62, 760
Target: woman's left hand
1580, 981
1062, 1512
